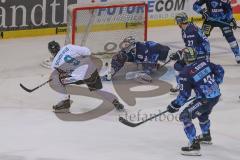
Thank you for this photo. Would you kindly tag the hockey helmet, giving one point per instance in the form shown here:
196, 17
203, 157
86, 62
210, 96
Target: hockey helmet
53, 48
128, 44
181, 18
189, 55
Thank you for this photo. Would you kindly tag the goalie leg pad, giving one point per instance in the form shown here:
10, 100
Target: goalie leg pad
143, 78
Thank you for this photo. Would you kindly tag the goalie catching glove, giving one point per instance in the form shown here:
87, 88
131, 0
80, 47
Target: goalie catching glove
118, 61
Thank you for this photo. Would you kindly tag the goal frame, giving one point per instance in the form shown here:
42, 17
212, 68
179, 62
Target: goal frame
76, 9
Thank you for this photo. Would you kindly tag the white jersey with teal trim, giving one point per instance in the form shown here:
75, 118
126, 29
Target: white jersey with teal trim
67, 59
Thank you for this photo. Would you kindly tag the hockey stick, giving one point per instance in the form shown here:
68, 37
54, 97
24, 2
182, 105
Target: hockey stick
225, 23
164, 64
31, 90
130, 124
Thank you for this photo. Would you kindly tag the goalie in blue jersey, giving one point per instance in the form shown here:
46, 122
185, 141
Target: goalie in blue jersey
145, 53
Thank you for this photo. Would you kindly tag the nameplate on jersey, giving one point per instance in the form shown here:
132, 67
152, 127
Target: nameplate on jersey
191, 36
203, 73
217, 10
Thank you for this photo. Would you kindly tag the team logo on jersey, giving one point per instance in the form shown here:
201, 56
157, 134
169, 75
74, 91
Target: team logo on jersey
214, 4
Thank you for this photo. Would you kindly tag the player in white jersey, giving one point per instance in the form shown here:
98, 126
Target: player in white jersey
72, 64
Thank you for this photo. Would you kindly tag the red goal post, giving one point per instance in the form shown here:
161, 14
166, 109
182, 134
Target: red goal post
99, 24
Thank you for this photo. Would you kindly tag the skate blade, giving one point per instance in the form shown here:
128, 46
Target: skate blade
174, 93
61, 111
206, 142
191, 153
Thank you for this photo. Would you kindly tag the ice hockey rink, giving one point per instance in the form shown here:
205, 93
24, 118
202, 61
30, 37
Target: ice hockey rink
29, 130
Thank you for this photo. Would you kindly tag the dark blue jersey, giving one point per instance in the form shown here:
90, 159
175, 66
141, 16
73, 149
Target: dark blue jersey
217, 9
194, 37
203, 77
148, 52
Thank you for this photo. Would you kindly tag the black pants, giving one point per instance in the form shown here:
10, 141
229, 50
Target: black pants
93, 83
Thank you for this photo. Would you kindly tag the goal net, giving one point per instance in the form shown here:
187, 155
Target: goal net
102, 26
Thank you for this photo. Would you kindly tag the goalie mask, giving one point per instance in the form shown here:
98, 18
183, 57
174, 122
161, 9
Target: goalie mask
129, 44
189, 55
53, 48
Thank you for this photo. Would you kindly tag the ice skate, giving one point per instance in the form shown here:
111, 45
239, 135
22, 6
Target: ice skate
237, 59
192, 150
62, 106
204, 138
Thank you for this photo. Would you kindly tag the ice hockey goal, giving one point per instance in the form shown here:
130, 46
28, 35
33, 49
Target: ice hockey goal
101, 26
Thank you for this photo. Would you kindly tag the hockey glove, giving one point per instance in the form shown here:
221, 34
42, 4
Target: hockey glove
172, 108
204, 14
176, 56
62, 75
233, 23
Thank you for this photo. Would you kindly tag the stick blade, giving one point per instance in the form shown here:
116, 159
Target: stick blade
26, 89
126, 122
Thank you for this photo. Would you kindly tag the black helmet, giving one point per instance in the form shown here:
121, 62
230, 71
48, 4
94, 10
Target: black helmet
53, 48
181, 18
189, 55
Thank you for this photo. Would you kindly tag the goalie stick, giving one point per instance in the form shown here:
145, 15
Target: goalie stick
130, 124
31, 90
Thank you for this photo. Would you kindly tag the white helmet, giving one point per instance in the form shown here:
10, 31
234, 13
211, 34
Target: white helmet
128, 44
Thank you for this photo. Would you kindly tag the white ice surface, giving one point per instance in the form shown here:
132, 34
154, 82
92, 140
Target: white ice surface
29, 130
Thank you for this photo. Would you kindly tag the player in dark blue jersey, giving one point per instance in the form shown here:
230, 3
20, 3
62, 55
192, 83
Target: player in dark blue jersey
219, 10
192, 37
203, 77
145, 53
